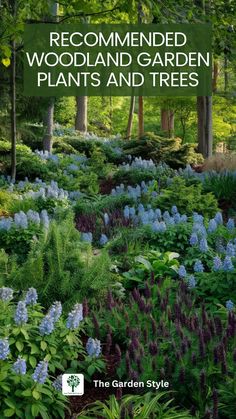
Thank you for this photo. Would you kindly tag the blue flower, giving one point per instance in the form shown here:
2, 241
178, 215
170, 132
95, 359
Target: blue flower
174, 210
218, 218
46, 326
103, 239
159, 227
41, 372
33, 216
19, 367
93, 347
191, 282
229, 305
132, 212
144, 218
106, 218
217, 264
166, 215
31, 296
126, 211
177, 218
20, 220
151, 214
212, 226
158, 213
6, 294
87, 237
182, 271
227, 264
200, 230
197, 218
183, 218
193, 239
230, 224
198, 266
44, 219
140, 208
55, 311
230, 249
203, 246
6, 223
74, 317
57, 383
21, 315
4, 348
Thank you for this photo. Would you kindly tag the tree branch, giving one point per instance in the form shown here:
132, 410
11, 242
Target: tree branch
73, 16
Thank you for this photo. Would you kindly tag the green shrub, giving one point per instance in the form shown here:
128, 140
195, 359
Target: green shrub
60, 146
222, 185
169, 150
187, 199
6, 200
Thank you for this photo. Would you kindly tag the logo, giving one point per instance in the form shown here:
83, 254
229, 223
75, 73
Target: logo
72, 384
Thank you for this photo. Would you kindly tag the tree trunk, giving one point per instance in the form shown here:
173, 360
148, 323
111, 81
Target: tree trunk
49, 123
131, 115
140, 99
81, 119
49, 117
204, 111
204, 104
167, 122
215, 76
226, 79
13, 111
13, 100
140, 117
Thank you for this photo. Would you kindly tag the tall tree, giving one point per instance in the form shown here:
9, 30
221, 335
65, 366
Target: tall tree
81, 119
167, 121
131, 116
204, 104
49, 114
13, 8
140, 99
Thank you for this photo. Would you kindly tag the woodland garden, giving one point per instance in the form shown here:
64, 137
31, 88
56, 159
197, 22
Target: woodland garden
118, 232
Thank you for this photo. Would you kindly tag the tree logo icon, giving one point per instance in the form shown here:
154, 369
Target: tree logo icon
72, 384
73, 381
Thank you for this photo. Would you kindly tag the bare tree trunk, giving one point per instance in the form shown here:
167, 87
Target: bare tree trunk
13, 101
131, 116
204, 111
140, 99
226, 78
49, 123
49, 117
204, 104
167, 121
13, 111
215, 76
81, 119
140, 117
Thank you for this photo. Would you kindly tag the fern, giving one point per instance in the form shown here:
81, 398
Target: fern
60, 267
